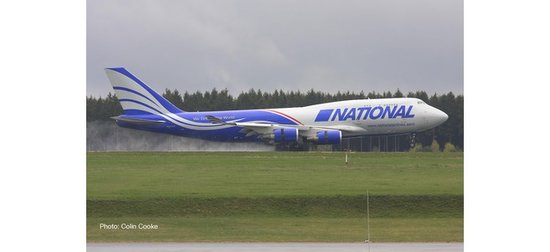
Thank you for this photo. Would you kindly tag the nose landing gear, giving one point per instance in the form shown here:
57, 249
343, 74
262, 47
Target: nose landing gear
412, 140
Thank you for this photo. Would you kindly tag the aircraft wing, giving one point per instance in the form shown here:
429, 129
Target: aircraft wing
267, 128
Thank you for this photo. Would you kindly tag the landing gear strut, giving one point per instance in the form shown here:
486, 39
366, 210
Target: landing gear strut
412, 140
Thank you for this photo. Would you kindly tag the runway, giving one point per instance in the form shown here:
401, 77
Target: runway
274, 247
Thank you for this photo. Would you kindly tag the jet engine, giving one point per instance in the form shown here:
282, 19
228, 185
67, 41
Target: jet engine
328, 137
285, 135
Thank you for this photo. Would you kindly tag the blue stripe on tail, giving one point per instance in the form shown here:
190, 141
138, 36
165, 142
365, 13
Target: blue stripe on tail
163, 102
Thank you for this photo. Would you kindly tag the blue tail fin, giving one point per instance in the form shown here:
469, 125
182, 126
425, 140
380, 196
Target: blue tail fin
135, 96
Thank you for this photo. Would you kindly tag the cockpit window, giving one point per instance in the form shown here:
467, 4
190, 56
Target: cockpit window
420, 102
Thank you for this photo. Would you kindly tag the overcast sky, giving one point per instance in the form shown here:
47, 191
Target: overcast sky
291, 45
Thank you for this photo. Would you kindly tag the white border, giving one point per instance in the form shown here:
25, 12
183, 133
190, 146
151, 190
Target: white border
507, 71
43, 160
42, 170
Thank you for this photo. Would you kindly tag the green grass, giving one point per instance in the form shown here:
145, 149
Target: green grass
152, 175
279, 229
276, 196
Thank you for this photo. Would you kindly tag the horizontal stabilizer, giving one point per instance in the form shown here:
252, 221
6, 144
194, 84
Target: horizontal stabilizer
137, 121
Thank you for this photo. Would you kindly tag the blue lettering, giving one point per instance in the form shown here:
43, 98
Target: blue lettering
351, 114
390, 113
380, 111
360, 110
400, 112
368, 109
363, 113
340, 114
408, 114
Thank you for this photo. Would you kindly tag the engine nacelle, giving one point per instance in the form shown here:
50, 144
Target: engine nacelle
329, 137
285, 135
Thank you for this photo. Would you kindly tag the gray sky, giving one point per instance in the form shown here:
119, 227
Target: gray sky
291, 45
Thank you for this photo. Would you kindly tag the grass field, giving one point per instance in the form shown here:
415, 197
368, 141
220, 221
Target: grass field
275, 196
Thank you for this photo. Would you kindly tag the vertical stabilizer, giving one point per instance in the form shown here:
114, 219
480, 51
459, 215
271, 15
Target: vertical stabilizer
135, 96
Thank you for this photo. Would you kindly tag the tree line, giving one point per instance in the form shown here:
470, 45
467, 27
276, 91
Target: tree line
452, 131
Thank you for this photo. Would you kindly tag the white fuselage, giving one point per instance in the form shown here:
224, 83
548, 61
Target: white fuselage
369, 116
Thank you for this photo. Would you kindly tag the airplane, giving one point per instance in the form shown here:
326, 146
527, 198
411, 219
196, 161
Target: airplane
326, 123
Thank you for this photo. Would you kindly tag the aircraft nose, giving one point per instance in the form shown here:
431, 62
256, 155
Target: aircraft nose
443, 116
440, 116
437, 117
